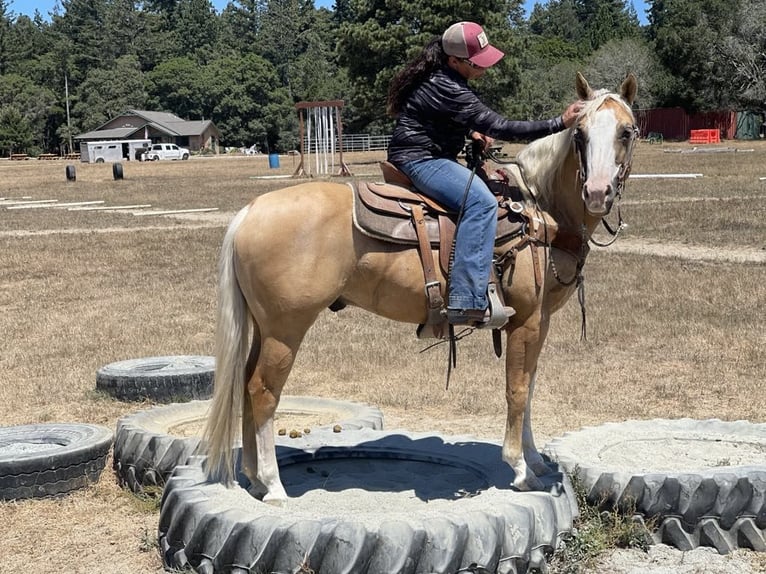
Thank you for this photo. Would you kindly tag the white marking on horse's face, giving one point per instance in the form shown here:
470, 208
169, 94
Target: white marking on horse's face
600, 187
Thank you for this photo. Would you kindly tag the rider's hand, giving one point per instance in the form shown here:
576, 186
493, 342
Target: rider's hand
486, 140
570, 115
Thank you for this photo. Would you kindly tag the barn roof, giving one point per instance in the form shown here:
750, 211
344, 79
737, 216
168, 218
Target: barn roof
112, 134
164, 122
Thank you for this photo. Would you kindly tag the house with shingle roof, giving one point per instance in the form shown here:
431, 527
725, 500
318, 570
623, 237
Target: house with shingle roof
159, 127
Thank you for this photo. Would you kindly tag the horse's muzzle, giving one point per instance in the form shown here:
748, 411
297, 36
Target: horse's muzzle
598, 199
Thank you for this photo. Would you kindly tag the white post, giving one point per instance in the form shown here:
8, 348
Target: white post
308, 140
331, 135
317, 138
326, 139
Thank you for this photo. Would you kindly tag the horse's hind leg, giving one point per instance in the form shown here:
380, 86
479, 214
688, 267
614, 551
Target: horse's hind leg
264, 388
249, 459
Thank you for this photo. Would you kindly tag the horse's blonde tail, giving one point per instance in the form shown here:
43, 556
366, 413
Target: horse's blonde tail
231, 350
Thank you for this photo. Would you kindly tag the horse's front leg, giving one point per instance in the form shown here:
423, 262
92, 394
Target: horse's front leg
532, 456
523, 349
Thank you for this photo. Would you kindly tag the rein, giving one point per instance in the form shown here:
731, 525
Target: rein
452, 338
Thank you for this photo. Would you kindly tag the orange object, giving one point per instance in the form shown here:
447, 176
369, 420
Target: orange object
704, 136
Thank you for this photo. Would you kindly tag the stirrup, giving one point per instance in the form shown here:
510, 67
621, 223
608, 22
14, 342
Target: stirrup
498, 313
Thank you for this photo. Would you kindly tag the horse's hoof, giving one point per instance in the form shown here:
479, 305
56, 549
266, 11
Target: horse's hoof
539, 467
275, 501
528, 483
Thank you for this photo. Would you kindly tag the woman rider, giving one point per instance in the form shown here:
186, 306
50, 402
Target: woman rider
436, 110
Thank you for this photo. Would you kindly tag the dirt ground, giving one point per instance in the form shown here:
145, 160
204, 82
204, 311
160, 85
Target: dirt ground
675, 315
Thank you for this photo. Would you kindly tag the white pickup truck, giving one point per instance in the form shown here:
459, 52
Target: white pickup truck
165, 151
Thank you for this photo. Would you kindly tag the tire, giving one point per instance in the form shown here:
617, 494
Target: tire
146, 450
41, 460
71, 173
185, 156
117, 171
709, 486
401, 510
161, 379
100, 160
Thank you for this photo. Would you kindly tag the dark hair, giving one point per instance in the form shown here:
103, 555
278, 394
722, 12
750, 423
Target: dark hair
428, 61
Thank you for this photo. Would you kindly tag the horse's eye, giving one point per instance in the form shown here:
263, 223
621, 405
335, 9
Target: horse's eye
627, 134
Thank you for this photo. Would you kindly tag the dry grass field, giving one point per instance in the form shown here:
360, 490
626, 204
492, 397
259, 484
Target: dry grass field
675, 328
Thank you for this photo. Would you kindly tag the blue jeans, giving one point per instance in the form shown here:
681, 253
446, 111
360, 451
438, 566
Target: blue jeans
445, 180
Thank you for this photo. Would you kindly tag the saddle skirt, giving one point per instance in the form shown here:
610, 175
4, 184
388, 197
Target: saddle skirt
384, 211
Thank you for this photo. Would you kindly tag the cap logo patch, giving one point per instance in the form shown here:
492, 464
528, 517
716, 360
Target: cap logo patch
482, 39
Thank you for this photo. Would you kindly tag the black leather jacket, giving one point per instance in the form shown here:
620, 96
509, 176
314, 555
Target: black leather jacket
441, 111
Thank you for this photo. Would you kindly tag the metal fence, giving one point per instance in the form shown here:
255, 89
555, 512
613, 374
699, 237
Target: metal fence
352, 142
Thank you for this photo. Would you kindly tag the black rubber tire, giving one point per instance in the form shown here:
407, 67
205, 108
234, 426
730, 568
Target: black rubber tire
41, 460
71, 173
185, 157
702, 499
100, 160
162, 379
146, 453
117, 172
210, 528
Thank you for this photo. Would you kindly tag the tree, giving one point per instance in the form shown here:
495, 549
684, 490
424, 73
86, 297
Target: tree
27, 40
562, 35
609, 65
688, 37
585, 24
240, 26
286, 31
107, 92
16, 134
544, 92
380, 36
80, 40
609, 20
315, 74
196, 29
181, 86
23, 101
250, 105
127, 29
559, 19
316, 77
745, 52
6, 18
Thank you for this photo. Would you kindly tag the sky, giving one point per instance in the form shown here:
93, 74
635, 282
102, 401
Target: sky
28, 7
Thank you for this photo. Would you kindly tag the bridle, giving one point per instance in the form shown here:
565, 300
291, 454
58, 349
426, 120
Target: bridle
580, 143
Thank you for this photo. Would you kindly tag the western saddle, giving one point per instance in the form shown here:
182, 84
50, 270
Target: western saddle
394, 211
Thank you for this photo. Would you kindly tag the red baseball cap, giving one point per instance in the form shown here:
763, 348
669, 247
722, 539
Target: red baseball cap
469, 41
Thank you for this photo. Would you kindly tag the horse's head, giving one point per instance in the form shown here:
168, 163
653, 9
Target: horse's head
604, 138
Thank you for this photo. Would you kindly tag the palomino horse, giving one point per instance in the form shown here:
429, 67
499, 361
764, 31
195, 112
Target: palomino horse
293, 252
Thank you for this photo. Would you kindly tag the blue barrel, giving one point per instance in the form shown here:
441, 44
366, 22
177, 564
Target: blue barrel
273, 160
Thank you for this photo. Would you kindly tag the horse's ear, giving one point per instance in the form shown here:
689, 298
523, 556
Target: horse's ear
629, 88
584, 91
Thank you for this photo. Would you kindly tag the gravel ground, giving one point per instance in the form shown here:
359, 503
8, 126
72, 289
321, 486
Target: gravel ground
663, 559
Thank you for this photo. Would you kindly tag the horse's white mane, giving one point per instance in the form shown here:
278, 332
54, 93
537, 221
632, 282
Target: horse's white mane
540, 160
